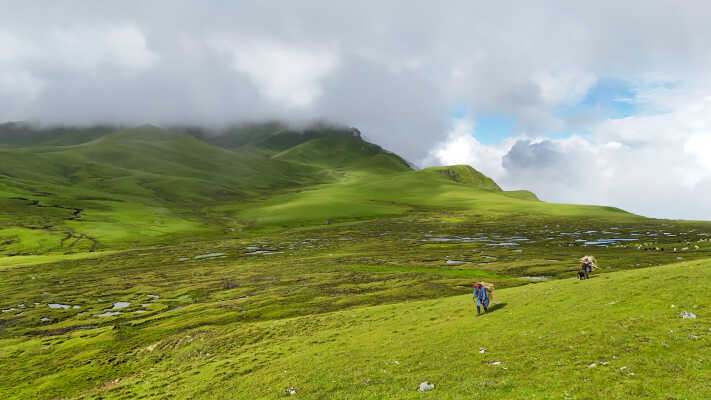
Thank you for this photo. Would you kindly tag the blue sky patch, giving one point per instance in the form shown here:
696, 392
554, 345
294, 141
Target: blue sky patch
608, 98
492, 128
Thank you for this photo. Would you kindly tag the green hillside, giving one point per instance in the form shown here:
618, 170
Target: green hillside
467, 175
157, 262
618, 336
101, 188
231, 329
142, 184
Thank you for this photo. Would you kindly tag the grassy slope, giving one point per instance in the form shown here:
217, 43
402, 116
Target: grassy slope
133, 186
546, 337
315, 272
141, 186
380, 195
134, 189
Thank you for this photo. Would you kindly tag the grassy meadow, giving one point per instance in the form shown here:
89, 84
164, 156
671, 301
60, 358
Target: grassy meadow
156, 263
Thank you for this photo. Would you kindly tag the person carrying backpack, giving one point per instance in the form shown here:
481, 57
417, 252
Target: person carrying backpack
481, 298
587, 264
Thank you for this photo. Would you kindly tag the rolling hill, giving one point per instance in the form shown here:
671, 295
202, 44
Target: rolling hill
153, 185
153, 262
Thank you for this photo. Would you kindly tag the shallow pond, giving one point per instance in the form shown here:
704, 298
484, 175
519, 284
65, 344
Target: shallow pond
605, 242
120, 305
109, 314
209, 255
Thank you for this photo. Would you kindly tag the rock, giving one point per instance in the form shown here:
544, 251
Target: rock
495, 363
593, 365
482, 350
425, 386
290, 391
688, 315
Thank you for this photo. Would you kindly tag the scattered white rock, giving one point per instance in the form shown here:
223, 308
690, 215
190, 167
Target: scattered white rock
425, 386
623, 368
290, 391
44, 319
495, 363
672, 306
57, 306
593, 365
396, 362
482, 350
688, 315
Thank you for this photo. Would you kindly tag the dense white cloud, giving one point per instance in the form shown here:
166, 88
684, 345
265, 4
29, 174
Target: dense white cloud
397, 70
656, 165
286, 74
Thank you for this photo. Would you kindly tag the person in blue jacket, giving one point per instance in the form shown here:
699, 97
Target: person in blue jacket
481, 298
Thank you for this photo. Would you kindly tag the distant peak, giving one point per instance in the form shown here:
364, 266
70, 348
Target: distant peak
467, 175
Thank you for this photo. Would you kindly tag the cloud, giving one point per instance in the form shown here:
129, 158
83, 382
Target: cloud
652, 164
462, 148
700, 147
285, 74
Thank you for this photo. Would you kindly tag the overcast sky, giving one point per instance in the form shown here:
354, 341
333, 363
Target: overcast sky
604, 102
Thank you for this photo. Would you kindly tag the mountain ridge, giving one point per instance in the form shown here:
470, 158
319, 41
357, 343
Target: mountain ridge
150, 184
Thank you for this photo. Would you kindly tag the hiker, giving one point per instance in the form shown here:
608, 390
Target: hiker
481, 298
587, 264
